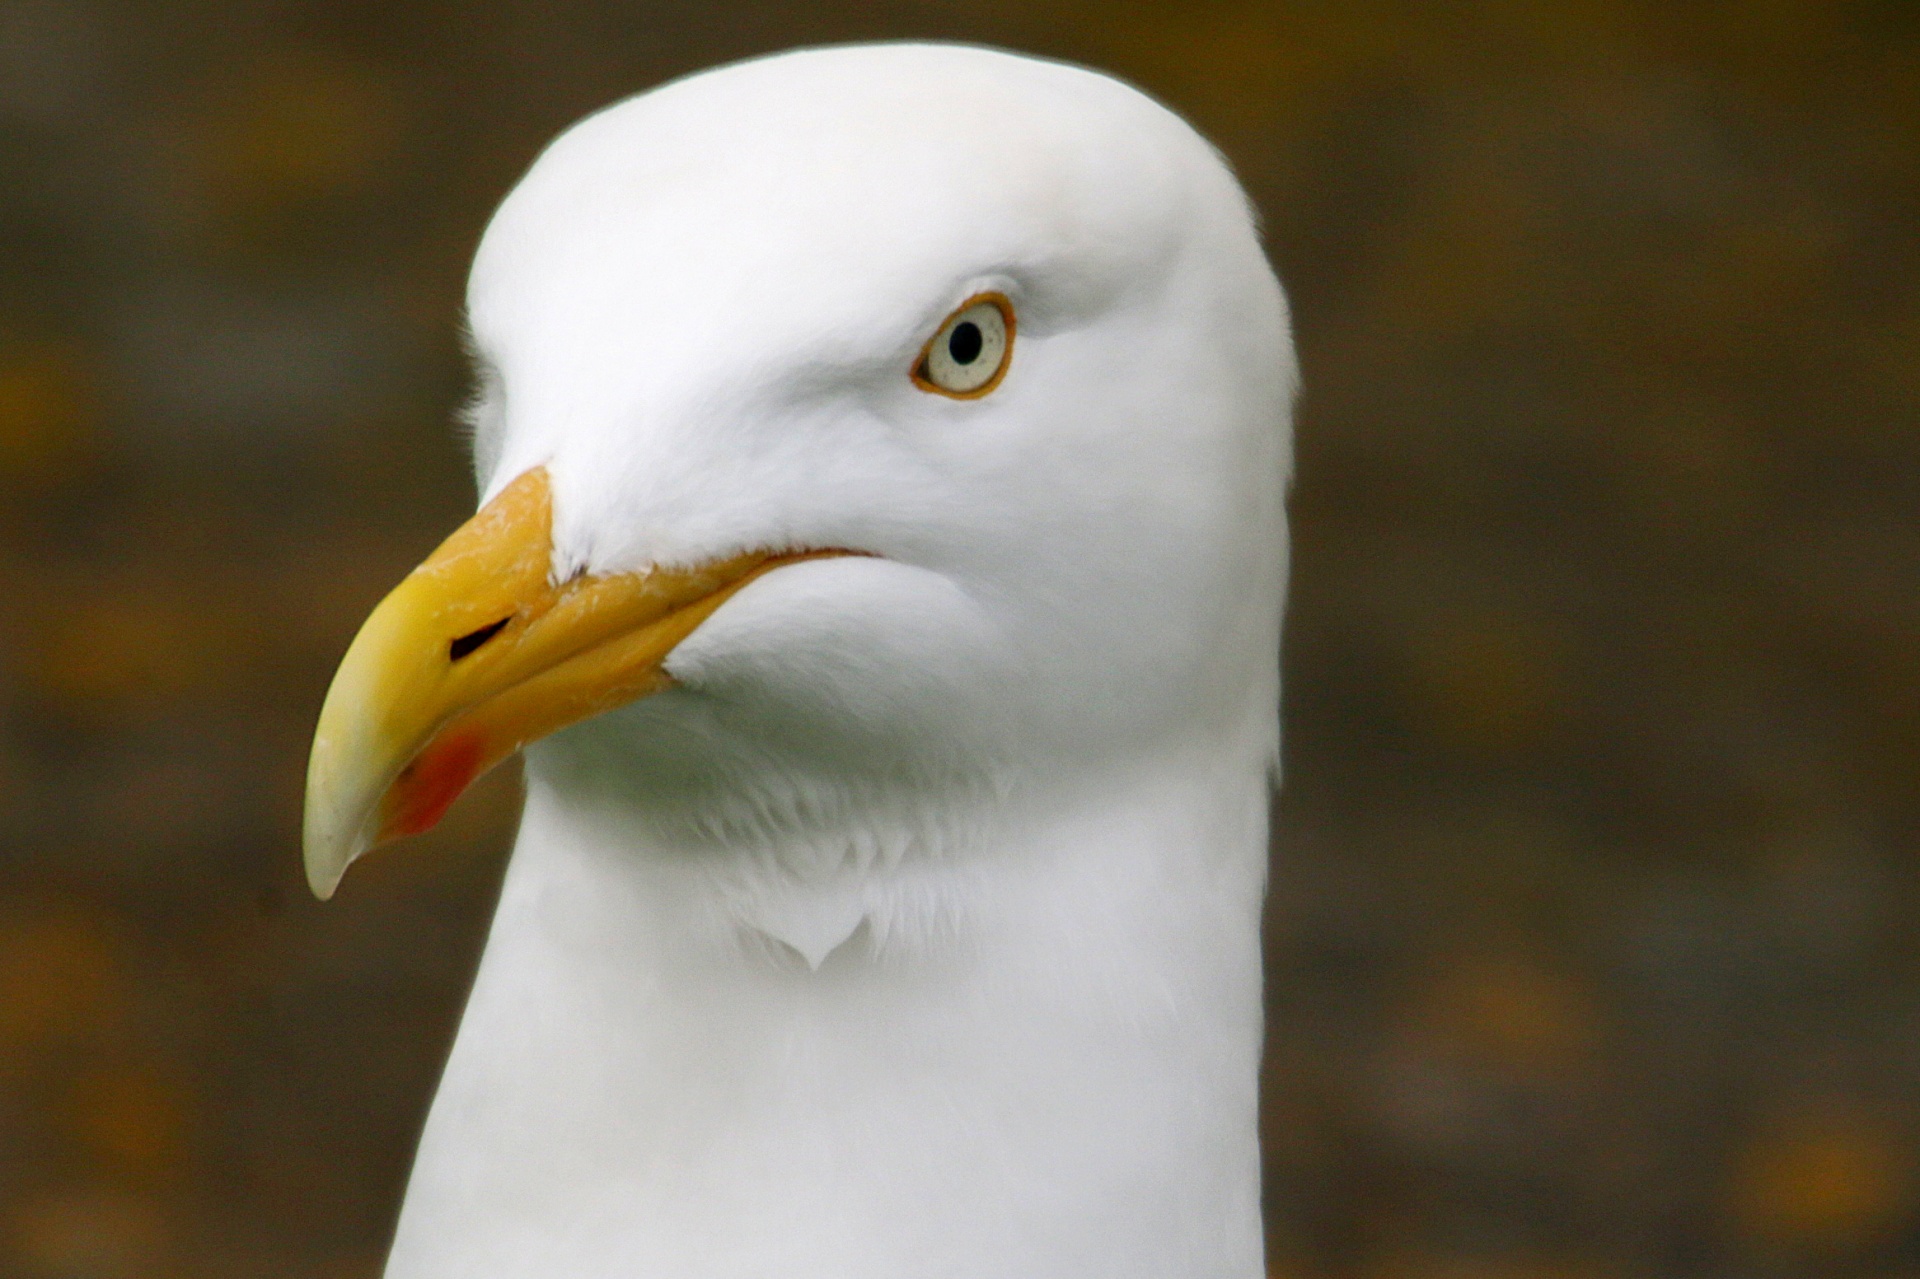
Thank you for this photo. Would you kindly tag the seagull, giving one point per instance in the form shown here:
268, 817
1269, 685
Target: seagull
883, 453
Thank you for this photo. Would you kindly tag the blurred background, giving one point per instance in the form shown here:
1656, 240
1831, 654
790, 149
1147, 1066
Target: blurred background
1595, 938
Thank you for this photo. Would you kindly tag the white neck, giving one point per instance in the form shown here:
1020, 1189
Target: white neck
1038, 1060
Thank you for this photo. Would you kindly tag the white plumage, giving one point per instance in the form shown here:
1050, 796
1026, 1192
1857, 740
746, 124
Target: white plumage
915, 932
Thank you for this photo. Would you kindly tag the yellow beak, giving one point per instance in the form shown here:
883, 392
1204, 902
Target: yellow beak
479, 652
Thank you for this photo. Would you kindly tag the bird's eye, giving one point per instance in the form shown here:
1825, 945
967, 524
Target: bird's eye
969, 355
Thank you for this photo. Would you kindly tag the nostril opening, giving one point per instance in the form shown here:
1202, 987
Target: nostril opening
474, 639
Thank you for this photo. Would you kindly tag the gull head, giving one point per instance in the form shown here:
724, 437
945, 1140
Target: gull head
855, 428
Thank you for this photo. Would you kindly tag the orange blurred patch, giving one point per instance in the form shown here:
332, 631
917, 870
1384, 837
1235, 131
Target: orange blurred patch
1513, 1016
63, 974
133, 1122
113, 644
1489, 682
88, 1231
1827, 1178
1439, 1265
1241, 69
47, 407
1471, 256
114, 648
1695, 467
298, 128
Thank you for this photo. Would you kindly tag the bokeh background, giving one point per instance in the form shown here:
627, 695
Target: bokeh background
1595, 939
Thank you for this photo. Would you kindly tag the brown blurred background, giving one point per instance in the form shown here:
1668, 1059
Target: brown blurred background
1595, 943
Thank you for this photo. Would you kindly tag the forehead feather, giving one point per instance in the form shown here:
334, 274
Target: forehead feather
851, 188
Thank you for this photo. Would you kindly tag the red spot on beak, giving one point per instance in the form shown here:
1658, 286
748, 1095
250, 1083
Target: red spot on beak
426, 788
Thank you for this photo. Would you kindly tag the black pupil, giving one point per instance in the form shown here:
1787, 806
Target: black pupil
964, 346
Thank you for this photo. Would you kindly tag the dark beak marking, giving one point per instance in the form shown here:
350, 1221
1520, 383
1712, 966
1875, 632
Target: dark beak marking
474, 639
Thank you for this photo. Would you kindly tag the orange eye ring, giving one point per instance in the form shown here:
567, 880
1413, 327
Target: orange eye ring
989, 340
